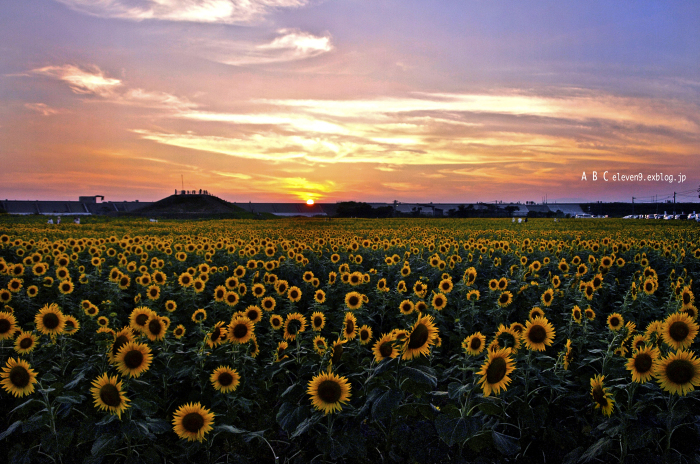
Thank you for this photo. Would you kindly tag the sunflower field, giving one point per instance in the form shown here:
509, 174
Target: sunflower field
303, 340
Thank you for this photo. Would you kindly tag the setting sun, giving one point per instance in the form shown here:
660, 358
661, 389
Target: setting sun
309, 202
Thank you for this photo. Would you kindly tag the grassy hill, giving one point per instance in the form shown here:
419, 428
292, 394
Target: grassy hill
196, 206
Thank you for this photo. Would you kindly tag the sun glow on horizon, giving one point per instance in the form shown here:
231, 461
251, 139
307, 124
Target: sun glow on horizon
309, 202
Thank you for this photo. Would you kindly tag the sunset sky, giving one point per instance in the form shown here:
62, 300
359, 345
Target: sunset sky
332, 100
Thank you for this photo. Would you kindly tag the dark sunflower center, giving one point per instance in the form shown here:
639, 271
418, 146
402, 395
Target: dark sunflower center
364, 335
643, 363
268, 304
133, 359
329, 391
26, 343
193, 422
141, 319
475, 343
385, 349
496, 371
50, 321
70, 325
216, 334
349, 326
679, 331
4, 326
293, 326
680, 371
252, 315
353, 300
614, 322
686, 298
109, 394
294, 294
577, 314
19, 376
154, 327
318, 321
537, 334
439, 302
503, 298
599, 396
419, 337
240, 331
225, 379
547, 297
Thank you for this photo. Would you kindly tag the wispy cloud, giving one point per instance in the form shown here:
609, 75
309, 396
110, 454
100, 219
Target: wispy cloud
289, 45
203, 11
42, 108
92, 81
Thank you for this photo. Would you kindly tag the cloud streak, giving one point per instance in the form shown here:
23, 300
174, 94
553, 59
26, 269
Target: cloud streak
289, 45
201, 11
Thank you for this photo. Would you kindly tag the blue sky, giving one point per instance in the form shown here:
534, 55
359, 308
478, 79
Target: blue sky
284, 100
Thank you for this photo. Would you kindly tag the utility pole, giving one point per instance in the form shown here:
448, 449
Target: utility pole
674, 203
632, 205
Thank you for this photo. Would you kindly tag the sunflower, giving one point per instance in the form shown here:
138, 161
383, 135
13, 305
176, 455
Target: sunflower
225, 379
493, 285
50, 320
589, 313
473, 295
199, 316
191, 421
539, 333
239, 330
576, 314
439, 301
567, 355
547, 297
294, 324
8, 325
494, 372
641, 364
279, 352
268, 303
353, 300
508, 337
318, 321
601, 397
72, 325
5, 295
349, 326
32, 291
294, 294
535, 313
328, 392
107, 393
650, 286
258, 290
179, 331
25, 342
588, 290
615, 321
185, 279
505, 298
385, 347
139, 318
678, 373
276, 321
170, 306
365, 334
153, 292
133, 359
679, 330
124, 282
422, 336
18, 378
337, 351
406, 307
155, 328
217, 335
231, 298
320, 345
474, 344
254, 313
